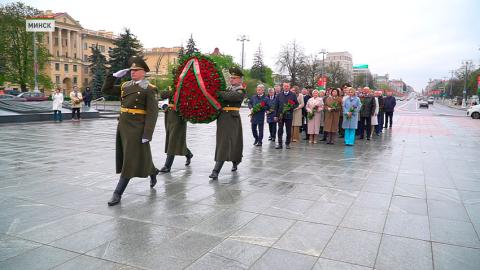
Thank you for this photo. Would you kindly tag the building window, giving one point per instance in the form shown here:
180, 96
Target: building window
56, 41
85, 46
58, 54
66, 67
75, 80
102, 48
85, 58
66, 54
57, 79
57, 67
85, 82
75, 55
74, 68
85, 70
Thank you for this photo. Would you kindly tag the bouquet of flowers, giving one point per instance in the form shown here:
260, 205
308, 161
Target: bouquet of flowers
287, 107
258, 107
334, 106
351, 110
311, 114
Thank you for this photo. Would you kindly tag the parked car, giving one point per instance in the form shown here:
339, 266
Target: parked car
33, 96
12, 92
474, 112
11, 97
431, 100
423, 103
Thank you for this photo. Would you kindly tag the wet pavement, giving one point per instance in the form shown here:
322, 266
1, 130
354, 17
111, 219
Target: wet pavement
409, 199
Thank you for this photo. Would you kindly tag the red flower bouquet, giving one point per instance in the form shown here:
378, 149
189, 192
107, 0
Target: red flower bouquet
196, 85
287, 107
258, 107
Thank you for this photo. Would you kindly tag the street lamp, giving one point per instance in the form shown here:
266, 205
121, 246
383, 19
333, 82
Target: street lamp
323, 52
450, 83
242, 39
466, 63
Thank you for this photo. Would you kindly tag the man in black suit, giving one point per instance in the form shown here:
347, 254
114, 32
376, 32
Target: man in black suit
306, 97
284, 98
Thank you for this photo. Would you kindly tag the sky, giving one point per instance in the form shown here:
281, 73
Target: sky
413, 40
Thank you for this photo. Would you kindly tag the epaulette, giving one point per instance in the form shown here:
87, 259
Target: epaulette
152, 85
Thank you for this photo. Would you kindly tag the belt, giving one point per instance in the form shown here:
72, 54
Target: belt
231, 109
133, 111
171, 106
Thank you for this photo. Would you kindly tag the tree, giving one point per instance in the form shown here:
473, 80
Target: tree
291, 59
359, 81
224, 61
99, 70
16, 49
258, 70
310, 72
126, 46
181, 52
338, 76
191, 49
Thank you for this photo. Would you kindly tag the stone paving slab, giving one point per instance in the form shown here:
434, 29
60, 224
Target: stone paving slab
408, 199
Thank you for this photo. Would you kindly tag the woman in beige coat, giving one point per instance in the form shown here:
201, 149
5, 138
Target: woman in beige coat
297, 116
76, 100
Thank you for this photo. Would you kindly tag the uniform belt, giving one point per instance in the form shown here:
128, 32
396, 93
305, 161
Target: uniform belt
231, 109
133, 111
171, 106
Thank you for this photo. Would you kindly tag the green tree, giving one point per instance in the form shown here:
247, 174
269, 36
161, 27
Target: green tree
181, 52
224, 61
258, 70
99, 70
126, 46
191, 47
337, 75
291, 59
16, 49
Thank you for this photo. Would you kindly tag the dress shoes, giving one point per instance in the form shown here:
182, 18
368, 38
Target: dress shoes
115, 199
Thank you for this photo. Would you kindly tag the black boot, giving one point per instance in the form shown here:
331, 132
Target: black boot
189, 159
216, 170
235, 166
168, 164
153, 178
117, 194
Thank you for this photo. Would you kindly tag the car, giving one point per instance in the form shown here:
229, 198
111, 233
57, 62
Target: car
11, 97
474, 112
13, 92
33, 96
430, 100
423, 103
163, 104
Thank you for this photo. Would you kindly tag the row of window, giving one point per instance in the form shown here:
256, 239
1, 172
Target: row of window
75, 80
100, 47
66, 68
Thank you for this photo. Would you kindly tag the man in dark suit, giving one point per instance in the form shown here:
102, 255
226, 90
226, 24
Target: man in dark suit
258, 115
285, 117
272, 125
306, 97
389, 104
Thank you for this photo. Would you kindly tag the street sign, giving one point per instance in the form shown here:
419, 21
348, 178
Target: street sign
363, 66
40, 24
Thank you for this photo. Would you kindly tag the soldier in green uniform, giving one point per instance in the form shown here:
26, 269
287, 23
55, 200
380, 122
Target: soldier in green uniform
138, 116
229, 145
176, 134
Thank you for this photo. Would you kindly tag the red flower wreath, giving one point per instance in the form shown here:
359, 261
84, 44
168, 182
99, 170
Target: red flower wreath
196, 85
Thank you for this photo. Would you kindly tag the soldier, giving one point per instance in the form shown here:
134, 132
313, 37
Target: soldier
229, 125
175, 136
138, 116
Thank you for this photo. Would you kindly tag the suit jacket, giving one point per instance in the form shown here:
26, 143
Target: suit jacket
283, 99
271, 108
305, 101
389, 104
259, 117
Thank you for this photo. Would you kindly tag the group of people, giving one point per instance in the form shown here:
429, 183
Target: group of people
76, 99
346, 111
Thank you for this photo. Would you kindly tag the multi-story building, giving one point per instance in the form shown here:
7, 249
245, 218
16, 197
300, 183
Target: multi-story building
69, 47
361, 75
344, 59
159, 59
381, 81
398, 85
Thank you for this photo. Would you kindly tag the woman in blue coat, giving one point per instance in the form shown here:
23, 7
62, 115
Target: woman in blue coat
351, 109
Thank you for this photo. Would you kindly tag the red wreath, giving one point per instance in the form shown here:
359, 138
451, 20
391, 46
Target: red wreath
196, 85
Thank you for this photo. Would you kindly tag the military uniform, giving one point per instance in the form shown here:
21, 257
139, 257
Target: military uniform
175, 135
229, 144
136, 123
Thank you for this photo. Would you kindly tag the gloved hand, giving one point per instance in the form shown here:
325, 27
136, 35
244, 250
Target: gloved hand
144, 140
121, 73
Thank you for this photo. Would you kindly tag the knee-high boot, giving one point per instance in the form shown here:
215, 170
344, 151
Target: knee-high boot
168, 164
216, 170
117, 194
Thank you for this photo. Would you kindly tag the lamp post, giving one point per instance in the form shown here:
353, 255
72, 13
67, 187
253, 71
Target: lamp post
450, 83
323, 52
242, 39
466, 63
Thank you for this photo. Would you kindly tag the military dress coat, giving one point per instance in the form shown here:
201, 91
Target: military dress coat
134, 158
332, 117
175, 129
229, 145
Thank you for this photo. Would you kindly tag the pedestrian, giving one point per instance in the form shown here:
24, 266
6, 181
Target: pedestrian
306, 97
366, 113
341, 132
285, 103
76, 102
272, 125
278, 89
297, 116
351, 109
375, 114
333, 109
57, 98
229, 144
87, 96
322, 94
389, 107
175, 134
314, 110
258, 105
136, 124
380, 116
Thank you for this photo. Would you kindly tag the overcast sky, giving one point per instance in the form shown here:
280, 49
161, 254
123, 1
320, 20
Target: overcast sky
409, 39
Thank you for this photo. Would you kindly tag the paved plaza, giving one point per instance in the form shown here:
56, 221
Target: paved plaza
409, 199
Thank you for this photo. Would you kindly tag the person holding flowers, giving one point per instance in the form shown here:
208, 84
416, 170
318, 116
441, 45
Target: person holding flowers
333, 109
258, 105
285, 103
351, 109
314, 108
272, 125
